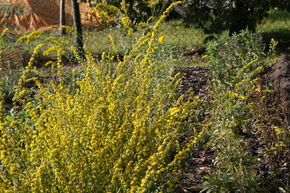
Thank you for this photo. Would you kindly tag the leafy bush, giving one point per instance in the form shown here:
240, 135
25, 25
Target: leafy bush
230, 55
236, 63
217, 15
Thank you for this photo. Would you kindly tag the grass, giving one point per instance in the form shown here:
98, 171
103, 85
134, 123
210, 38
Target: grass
178, 39
277, 26
275, 20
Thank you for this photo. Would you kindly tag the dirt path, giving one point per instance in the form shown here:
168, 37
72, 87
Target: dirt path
200, 162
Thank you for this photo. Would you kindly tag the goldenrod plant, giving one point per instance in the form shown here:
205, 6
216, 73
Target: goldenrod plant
116, 131
135, 11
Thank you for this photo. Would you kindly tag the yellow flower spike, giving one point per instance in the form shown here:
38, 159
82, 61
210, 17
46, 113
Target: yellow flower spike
174, 110
130, 31
51, 50
3, 33
49, 63
164, 14
103, 57
161, 39
32, 35
55, 40
39, 84
113, 43
76, 54
152, 3
124, 7
125, 21
59, 63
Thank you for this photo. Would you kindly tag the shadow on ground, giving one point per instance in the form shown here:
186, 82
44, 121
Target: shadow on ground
283, 38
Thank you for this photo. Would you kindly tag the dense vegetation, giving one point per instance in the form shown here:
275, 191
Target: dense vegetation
114, 121
235, 15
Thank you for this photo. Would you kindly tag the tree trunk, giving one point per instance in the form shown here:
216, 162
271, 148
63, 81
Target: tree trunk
78, 27
62, 19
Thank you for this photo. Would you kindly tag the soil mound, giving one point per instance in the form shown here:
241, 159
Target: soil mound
279, 77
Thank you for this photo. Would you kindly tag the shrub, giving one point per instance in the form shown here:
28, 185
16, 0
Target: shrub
230, 55
217, 15
236, 63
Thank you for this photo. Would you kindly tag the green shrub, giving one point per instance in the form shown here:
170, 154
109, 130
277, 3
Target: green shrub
236, 63
230, 55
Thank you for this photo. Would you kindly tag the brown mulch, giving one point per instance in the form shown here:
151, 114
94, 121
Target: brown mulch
194, 79
200, 162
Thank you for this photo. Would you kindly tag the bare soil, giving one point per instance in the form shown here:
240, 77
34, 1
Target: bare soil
279, 78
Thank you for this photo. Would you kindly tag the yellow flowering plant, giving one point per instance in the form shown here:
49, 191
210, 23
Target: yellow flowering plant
116, 131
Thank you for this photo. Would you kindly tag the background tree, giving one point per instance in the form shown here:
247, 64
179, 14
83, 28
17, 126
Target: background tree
214, 16
78, 27
62, 19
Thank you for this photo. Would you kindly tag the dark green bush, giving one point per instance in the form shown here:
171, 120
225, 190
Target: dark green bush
217, 15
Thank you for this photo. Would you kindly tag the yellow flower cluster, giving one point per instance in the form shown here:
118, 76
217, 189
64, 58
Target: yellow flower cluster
31, 36
106, 12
